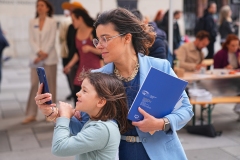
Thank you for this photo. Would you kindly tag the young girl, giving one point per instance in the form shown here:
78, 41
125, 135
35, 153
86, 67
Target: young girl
103, 98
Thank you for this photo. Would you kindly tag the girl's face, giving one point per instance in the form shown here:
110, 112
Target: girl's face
112, 49
42, 8
233, 46
88, 99
76, 21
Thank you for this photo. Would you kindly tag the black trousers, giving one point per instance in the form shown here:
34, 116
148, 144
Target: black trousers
71, 75
210, 48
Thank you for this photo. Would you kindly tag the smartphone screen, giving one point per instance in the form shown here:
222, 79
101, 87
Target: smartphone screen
43, 79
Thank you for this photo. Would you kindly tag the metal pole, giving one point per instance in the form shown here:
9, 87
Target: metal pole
170, 26
101, 6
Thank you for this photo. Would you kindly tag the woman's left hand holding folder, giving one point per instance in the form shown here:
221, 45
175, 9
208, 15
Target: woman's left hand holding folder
149, 123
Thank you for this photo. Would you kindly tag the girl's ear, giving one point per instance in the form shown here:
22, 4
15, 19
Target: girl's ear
128, 38
101, 102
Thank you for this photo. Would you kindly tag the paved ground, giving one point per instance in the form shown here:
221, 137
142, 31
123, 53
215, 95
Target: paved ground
32, 142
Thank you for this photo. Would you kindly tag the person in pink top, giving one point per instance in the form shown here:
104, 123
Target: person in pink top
86, 54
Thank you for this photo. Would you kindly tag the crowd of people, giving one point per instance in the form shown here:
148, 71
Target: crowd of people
119, 48
190, 56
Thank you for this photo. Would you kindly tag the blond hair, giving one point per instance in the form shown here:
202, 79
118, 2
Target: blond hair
224, 14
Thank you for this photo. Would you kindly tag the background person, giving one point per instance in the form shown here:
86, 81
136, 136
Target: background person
190, 55
159, 48
226, 25
86, 54
71, 46
211, 27
42, 34
164, 25
228, 57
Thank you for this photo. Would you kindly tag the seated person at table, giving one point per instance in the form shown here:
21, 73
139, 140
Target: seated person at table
190, 54
228, 57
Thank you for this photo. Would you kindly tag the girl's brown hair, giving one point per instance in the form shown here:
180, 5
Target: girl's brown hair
230, 37
49, 6
112, 90
143, 36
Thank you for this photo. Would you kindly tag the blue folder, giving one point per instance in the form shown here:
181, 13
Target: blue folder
158, 95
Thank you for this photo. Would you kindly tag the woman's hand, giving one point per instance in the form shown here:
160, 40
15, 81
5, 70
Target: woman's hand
149, 123
66, 110
229, 67
87, 48
37, 60
42, 55
41, 99
66, 69
199, 66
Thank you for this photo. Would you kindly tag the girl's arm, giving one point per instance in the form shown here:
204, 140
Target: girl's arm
94, 137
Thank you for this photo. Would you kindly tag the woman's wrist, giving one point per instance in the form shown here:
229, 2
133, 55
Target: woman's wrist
160, 124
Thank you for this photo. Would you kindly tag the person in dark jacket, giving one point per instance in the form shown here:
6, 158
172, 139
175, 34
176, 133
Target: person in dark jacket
3, 44
226, 25
159, 48
176, 31
211, 27
70, 41
228, 57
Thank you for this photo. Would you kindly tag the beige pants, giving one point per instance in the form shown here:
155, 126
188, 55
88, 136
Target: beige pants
51, 74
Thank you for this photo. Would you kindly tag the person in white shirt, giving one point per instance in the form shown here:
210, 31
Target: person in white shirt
42, 35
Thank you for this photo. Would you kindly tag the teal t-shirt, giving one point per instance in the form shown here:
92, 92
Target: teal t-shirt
98, 140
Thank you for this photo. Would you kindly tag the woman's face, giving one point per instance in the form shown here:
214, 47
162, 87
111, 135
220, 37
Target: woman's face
114, 48
76, 21
42, 8
229, 13
233, 46
88, 98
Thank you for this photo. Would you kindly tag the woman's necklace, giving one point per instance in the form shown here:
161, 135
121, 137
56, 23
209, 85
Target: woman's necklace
134, 73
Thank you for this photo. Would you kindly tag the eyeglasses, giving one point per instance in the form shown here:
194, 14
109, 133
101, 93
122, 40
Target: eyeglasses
103, 40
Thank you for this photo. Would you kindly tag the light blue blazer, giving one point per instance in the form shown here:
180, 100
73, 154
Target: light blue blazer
160, 145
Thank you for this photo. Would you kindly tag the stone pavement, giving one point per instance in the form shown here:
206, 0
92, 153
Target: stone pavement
33, 141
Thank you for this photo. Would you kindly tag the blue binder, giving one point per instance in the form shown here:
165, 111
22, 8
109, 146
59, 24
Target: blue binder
158, 95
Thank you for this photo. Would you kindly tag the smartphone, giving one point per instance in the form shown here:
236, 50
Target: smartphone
43, 79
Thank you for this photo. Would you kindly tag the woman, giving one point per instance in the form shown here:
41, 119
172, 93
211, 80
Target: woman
124, 42
42, 34
225, 23
228, 57
86, 54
